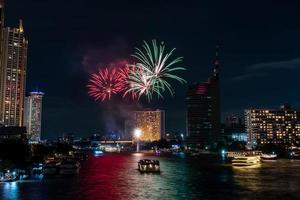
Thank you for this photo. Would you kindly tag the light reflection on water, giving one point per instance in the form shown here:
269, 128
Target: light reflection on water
10, 190
275, 179
115, 176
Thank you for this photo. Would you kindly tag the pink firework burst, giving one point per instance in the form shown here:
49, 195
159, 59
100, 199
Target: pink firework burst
106, 82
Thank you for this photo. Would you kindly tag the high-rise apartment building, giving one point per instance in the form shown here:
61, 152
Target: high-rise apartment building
13, 75
33, 115
203, 111
151, 123
273, 126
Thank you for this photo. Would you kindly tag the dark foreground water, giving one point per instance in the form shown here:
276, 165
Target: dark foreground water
115, 176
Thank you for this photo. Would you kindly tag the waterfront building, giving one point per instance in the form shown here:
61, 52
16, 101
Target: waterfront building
151, 123
13, 75
273, 126
33, 115
234, 129
203, 111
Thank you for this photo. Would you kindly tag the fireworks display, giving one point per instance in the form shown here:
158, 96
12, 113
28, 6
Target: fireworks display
149, 76
139, 82
106, 82
152, 71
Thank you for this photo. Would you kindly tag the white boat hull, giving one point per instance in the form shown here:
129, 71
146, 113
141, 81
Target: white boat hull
245, 161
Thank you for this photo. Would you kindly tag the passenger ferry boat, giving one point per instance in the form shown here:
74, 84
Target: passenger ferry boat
232, 154
244, 161
147, 165
69, 167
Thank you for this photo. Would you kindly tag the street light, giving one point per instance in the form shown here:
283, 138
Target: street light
137, 135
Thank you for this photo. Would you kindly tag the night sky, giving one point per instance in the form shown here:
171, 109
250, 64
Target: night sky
69, 39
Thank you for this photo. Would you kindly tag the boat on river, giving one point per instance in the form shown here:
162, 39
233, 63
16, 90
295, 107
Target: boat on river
245, 161
147, 165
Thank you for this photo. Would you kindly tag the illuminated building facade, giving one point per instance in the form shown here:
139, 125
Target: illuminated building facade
203, 111
13, 75
273, 126
151, 123
33, 116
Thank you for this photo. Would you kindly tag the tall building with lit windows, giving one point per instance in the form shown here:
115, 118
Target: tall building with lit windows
273, 126
203, 121
151, 123
33, 115
1, 57
13, 75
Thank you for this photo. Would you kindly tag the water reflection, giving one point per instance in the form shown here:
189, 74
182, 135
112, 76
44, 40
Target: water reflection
10, 190
243, 168
278, 179
115, 176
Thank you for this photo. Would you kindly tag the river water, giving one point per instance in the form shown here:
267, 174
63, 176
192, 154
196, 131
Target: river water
115, 176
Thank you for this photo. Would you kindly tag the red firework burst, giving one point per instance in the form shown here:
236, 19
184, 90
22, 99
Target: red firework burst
106, 82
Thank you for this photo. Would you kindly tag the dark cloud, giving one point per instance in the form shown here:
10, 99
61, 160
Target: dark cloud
247, 76
274, 65
262, 70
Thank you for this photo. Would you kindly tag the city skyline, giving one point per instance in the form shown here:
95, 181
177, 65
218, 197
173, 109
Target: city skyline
247, 54
161, 99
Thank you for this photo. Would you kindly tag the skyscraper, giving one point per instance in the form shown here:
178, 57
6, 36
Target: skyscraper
151, 123
13, 75
1, 57
203, 111
33, 115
